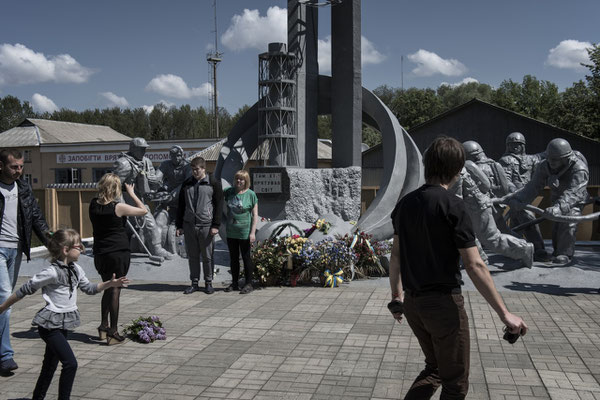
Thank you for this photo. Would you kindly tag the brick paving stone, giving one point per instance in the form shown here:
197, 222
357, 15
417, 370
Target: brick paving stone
311, 343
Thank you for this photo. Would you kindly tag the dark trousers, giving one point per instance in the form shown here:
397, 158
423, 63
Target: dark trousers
237, 246
57, 349
440, 323
199, 245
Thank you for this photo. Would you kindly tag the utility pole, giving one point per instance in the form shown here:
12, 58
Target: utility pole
402, 72
213, 58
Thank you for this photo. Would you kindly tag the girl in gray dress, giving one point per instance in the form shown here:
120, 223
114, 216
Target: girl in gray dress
59, 283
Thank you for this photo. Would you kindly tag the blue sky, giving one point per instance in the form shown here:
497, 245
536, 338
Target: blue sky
131, 53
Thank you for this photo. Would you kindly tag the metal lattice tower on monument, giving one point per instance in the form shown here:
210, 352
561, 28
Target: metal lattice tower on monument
277, 107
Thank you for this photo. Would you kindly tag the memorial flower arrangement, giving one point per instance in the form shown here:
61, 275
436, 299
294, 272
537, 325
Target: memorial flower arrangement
146, 329
268, 257
296, 258
367, 253
293, 244
319, 225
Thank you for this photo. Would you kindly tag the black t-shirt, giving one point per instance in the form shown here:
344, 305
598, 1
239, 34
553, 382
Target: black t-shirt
431, 224
109, 230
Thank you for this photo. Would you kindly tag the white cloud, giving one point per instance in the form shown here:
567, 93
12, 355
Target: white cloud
250, 30
165, 103
463, 82
569, 54
324, 59
174, 86
369, 54
429, 63
21, 65
42, 103
115, 100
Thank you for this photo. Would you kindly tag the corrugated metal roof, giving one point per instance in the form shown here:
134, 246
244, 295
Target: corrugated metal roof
70, 132
212, 153
20, 136
56, 132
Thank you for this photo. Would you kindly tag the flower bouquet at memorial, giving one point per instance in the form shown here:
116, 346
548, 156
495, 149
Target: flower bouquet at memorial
309, 262
335, 255
367, 253
319, 225
268, 258
146, 329
292, 266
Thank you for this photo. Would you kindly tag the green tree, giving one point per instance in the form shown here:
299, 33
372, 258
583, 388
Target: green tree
454, 96
575, 106
160, 122
415, 106
507, 95
593, 82
370, 136
13, 112
324, 126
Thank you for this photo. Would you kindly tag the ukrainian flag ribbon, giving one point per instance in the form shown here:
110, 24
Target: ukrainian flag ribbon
333, 280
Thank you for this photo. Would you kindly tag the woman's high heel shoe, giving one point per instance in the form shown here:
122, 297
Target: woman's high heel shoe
114, 338
102, 333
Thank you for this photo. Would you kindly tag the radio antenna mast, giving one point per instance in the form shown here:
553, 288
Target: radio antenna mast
213, 58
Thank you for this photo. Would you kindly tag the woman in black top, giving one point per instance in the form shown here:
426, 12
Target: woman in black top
111, 246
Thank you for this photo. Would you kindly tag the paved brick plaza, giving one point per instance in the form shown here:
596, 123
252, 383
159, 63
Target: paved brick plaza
311, 343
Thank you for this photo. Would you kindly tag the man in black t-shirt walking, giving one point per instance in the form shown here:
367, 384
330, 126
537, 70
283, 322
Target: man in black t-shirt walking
431, 231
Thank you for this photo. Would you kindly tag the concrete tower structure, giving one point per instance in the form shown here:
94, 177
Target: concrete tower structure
290, 186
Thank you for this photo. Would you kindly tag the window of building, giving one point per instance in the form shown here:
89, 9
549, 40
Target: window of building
67, 175
27, 156
97, 173
28, 179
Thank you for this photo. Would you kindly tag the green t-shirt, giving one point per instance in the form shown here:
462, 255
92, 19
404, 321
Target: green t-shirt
239, 212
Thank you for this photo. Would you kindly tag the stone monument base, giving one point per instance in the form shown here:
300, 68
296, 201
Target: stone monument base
305, 194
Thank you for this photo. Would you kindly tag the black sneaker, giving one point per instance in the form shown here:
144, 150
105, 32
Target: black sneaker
8, 365
208, 289
232, 288
191, 289
247, 289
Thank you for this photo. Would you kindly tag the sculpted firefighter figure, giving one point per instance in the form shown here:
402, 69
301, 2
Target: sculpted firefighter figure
519, 168
174, 171
499, 184
566, 173
474, 187
134, 168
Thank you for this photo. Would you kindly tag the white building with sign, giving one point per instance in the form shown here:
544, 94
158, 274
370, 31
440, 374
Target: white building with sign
66, 152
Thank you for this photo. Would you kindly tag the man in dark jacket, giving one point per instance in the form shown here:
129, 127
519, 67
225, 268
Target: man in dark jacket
198, 218
19, 216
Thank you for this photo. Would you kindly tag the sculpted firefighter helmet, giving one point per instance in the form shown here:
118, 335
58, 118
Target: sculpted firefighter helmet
558, 148
138, 142
472, 148
515, 137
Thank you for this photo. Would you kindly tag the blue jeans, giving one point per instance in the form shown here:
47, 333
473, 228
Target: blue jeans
10, 262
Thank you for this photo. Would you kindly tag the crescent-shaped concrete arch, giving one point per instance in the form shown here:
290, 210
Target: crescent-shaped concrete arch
402, 167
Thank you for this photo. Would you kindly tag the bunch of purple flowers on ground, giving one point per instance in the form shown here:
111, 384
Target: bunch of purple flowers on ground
146, 329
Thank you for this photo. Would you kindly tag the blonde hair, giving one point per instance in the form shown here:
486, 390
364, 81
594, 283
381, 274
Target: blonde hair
62, 238
245, 175
109, 188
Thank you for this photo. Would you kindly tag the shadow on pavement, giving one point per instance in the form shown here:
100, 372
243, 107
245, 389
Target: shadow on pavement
158, 287
76, 336
550, 289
